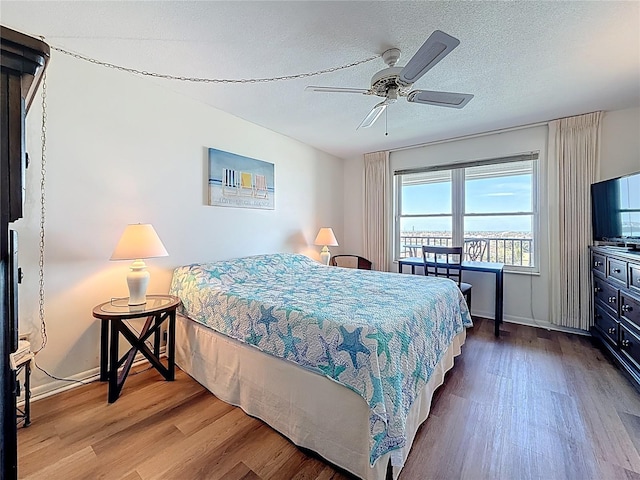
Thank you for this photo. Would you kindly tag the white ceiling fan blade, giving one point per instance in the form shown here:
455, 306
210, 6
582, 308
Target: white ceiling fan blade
312, 88
437, 46
440, 99
373, 115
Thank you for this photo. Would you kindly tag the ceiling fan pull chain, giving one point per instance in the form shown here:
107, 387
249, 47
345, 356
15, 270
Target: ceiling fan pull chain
386, 122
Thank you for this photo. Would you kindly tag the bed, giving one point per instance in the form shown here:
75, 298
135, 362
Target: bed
341, 361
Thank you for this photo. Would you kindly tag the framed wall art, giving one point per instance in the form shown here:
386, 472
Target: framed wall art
238, 181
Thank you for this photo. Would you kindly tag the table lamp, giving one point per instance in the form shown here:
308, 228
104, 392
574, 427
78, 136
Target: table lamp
137, 242
327, 239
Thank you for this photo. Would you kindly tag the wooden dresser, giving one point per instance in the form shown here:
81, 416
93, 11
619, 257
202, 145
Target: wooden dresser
22, 63
616, 305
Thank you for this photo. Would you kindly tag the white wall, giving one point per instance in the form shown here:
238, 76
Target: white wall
620, 150
121, 150
353, 206
526, 296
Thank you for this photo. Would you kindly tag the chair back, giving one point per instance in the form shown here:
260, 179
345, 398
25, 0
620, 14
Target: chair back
443, 262
350, 261
475, 249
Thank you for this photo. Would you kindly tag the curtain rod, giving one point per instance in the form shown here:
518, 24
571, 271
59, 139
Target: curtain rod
465, 137
482, 134
520, 157
473, 135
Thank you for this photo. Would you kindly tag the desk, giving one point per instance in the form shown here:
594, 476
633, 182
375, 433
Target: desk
487, 267
114, 314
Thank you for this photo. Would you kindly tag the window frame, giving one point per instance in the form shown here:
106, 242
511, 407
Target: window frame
458, 215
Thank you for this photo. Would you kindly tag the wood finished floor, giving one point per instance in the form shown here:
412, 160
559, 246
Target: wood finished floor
531, 405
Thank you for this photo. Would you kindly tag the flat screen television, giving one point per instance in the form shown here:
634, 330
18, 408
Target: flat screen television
615, 210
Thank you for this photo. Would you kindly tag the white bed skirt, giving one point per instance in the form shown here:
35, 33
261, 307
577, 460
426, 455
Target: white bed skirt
311, 410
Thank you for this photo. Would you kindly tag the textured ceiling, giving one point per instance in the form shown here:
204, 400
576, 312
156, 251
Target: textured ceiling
525, 61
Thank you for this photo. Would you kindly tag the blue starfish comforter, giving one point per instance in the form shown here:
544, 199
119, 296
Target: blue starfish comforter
379, 334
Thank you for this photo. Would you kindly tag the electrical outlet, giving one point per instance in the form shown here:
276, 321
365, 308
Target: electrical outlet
25, 336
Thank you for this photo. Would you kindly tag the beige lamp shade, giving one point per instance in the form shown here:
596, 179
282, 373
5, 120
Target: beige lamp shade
326, 237
139, 241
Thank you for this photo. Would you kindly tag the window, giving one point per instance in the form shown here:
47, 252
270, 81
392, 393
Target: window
490, 207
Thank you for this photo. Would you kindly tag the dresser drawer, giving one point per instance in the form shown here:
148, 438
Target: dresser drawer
634, 278
615, 278
607, 325
630, 344
630, 309
617, 271
606, 294
598, 262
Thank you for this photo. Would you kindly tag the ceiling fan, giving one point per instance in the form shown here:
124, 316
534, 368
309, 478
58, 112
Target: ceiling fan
393, 82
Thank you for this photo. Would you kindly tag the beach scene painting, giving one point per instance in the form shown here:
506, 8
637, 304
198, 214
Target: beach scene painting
242, 182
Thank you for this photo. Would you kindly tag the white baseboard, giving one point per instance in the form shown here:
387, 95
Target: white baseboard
58, 386
534, 323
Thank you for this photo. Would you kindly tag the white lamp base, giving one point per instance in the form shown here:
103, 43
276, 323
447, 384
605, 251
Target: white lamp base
137, 280
325, 255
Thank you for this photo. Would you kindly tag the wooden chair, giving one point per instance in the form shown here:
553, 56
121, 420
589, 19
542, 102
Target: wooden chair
350, 261
475, 249
446, 262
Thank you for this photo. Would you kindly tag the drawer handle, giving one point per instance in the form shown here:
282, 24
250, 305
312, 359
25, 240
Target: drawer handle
611, 330
597, 264
616, 270
612, 299
626, 308
625, 343
598, 289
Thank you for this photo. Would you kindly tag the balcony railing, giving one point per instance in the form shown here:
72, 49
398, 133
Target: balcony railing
510, 251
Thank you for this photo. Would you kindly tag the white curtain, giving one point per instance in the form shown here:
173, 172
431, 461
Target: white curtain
574, 162
376, 199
